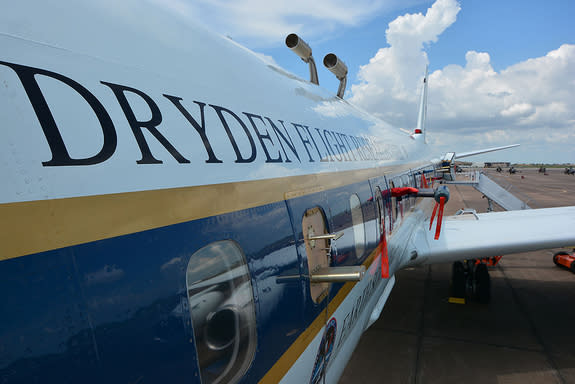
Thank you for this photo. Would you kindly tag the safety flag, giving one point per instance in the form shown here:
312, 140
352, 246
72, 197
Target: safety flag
384, 257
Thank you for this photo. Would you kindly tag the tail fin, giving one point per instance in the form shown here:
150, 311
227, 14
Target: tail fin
419, 130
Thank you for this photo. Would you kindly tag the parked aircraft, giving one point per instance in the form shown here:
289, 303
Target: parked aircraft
176, 209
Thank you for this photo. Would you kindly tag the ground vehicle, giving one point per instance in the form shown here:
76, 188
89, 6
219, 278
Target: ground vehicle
565, 259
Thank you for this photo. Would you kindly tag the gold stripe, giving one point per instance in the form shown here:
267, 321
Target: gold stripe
36, 226
288, 359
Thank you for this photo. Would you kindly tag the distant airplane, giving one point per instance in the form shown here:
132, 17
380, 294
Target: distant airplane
174, 209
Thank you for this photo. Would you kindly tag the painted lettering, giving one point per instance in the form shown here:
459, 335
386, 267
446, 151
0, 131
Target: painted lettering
357, 147
306, 142
335, 152
351, 151
239, 157
335, 146
200, 128
150, 125
343, 150
60, 155
329, 153
321, 157
280, 136
262, 137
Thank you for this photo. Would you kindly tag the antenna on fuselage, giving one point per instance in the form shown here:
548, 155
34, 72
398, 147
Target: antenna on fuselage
339, 69
419, 129
303, 50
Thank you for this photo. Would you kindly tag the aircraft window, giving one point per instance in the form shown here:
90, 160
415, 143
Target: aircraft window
408, 182
358, 225
393, 205
222, 310
317, 251
380, 211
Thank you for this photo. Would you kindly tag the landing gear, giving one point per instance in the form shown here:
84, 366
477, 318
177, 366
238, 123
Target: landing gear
470, 280
482, 283
458, 280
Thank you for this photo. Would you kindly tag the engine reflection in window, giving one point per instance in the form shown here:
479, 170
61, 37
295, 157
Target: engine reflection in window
222, 311
358, 225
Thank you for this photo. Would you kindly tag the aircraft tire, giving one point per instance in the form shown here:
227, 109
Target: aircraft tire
482, 284
458, 279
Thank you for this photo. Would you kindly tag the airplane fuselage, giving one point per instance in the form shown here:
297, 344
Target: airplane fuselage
157, 211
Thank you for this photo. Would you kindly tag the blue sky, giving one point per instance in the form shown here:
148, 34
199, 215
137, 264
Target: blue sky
510, 31
501, 72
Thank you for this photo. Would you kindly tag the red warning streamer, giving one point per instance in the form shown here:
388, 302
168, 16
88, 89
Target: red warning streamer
439, 217
402, 191
439, 205
384, 258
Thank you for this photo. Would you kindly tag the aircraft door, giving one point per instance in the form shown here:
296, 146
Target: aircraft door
317, 249
310, 222
388, 210
382, 199
380, 212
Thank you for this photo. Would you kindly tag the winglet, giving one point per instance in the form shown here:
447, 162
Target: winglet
419, 129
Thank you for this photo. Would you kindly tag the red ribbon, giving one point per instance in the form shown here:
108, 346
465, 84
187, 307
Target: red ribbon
384, 258
439, 217
402, 191
441, 204
433, 215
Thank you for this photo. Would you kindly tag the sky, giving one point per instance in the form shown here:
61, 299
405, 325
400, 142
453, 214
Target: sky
500, 72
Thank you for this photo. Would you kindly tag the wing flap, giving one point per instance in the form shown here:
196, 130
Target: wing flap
472, 236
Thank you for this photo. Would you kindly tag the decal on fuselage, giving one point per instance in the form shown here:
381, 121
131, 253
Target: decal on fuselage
304, 143
324, 351
358, 307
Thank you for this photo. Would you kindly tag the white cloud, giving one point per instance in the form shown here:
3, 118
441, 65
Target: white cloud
532, 93
531, 102
388, 82
520, 109
259, 23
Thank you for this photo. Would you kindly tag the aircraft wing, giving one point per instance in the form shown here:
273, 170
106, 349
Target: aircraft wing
485, 150
471, 235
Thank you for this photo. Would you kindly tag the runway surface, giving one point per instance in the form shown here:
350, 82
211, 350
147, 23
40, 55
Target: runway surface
526, 334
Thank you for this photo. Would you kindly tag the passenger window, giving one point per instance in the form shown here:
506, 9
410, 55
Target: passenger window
317, 251
222, 310
380, 211
394, 207
358, 225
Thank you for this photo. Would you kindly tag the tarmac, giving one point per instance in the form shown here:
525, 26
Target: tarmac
525, 334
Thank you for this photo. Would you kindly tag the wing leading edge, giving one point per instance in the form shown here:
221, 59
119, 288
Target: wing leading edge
470, 236
485, 150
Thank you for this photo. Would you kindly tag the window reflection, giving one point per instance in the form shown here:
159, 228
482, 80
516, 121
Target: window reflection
380, 211
358, 225
222, 310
